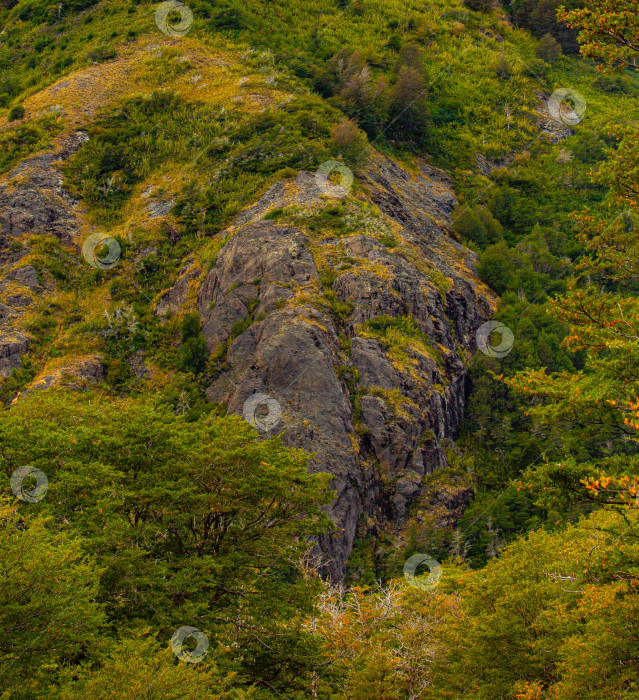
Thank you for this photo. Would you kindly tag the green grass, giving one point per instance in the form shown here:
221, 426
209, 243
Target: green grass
146, 134
26, 138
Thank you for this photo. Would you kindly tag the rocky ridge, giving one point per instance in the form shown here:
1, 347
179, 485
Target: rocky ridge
359, 337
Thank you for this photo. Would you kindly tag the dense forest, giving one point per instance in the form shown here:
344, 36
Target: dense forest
318, 327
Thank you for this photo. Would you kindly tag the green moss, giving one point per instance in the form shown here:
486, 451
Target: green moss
350, 375
443, 283
341, 310
397, 401
397, 336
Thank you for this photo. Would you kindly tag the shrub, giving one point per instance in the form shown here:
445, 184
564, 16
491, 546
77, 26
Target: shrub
348, 141
477, 225
358, 95
394, 43
16, 113
193, 355
10, 86
613, 83
102, 54
194, 351
481, 5
230, 18
497, 267
549, 49
536, 68
409, 112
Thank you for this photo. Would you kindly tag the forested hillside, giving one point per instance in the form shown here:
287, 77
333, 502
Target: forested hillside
318, 333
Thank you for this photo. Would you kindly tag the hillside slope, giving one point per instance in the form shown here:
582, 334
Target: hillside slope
251, 255
200, 162
356, 312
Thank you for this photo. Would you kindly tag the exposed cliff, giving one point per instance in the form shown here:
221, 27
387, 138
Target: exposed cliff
33, 203
359, 332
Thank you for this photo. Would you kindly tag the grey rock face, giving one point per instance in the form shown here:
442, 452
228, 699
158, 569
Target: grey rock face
32, 201
12, 347
37, 203
290, 356
372, 412
554, 130
266, 263
159, 208
138, 365
26, 276
173, 300
6, 312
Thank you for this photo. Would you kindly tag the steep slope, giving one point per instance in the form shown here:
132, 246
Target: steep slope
354, 311
246, 260
237, 269
357, 336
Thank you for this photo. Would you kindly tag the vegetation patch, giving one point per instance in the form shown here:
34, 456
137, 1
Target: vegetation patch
397, 336
31, 137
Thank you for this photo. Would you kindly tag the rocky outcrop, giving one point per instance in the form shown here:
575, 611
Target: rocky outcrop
174, 299
354, 317
34, 201
291, 357
26, 276
359, 338
12, 347
74, 373
265, 263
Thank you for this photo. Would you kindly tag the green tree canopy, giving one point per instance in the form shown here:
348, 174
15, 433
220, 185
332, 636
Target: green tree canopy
191, 523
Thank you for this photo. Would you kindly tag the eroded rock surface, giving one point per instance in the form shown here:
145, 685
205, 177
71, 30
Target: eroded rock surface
359, 329
75, 373
32, 202
360, 338
174, 299
12, 347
